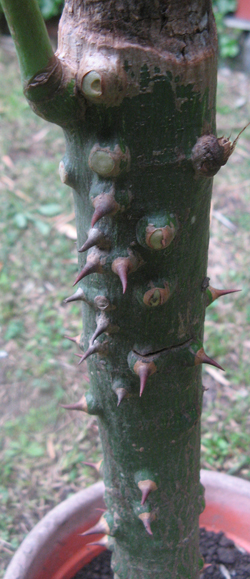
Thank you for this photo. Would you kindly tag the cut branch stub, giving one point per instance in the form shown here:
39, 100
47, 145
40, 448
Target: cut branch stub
109, 161
210, 153
158, 294
102, 79
213, 294
157, 231
103, 303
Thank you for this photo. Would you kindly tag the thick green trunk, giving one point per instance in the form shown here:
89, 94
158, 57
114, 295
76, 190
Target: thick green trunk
135, 93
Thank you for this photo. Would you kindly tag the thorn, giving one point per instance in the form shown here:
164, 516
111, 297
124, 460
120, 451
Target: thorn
102, 326
104, 204
95, 465
213, 294
102, 543
202, 358
78, 295
99, 347
146, 487
80, 405
144, 370
76, 339
122, 266
92, 265
100, 528
121, 393
95, 237
146, 518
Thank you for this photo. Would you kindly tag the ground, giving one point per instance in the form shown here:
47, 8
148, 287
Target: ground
42, 447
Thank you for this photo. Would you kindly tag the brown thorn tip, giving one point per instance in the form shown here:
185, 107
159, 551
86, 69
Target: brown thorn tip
95, 465
90, 267
102, 543
76, 339
206, 360
122, 272
104, 204
100, 528
80, 405
146, 487
144, 373
145, 518
120, 393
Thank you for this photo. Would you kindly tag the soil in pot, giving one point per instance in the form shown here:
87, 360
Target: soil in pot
223, 560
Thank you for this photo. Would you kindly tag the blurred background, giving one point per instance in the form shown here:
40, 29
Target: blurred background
42, 446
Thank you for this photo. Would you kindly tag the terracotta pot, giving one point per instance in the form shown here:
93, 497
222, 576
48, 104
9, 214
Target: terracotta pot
243, 9
54, 549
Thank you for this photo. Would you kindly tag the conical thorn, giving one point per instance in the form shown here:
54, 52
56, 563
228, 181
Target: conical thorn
93, 349
102, 543
121, 270
76, 339
95, 465
213, 293
121, 393
100, 528
92, 266
95, 237
202, 358
78, 295
146, 519
102, 326
104, 204
144, 370
146, 487
80, 405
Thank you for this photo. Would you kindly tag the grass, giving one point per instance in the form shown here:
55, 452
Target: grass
42, 448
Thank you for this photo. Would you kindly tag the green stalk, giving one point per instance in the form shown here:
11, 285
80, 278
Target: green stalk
30, 35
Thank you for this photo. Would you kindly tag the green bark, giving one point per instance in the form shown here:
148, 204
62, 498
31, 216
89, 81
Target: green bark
137, 103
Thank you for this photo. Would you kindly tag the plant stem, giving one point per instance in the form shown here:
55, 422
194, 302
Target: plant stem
29, 33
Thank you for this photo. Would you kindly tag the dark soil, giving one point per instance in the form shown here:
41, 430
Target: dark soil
222, 560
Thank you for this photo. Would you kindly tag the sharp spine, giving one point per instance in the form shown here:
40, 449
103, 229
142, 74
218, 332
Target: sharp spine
96, 465
100, 528
102, 543
95, 237
146, 519
104, 204
213, 294
144, 370
76, 339
202, 358
93, 265
146, 487
77, 296
80, 405
121, 393
98, 348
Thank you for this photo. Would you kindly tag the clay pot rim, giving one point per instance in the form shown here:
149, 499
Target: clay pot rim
225, 495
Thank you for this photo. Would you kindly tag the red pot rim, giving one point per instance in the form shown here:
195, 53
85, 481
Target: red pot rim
54, 549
